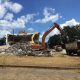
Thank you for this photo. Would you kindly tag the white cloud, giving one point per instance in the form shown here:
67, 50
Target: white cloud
15, 7
19, 23
6, 17
2, 11
30, 29
49, 15
41, 34
12, 25
53, 32
9, 16
3, 33
6, 26
8, 21
52, 18
29, 17
71, 22
5, 23
48, 11
6, 5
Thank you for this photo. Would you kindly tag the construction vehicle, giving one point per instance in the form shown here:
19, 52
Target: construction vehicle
32, 38
32, 45
48, 31
73, 48
43, 45
35, 38
42, 48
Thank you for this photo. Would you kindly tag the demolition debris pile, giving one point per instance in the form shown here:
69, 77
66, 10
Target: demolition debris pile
19, 49
22, 49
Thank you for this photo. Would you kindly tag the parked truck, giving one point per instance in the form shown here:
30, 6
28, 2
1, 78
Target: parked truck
73, 48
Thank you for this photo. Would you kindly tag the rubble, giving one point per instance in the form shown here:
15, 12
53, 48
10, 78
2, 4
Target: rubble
19, 49
24, 49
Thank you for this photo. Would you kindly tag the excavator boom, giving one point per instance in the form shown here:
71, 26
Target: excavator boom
43, 46
48, 31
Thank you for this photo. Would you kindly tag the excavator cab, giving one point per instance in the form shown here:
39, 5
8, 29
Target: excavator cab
35, 44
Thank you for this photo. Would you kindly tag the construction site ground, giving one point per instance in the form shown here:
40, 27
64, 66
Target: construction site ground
38, 74
59, 59
58, 67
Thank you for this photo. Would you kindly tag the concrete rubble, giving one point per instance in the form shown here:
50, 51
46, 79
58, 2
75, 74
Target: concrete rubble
24, 49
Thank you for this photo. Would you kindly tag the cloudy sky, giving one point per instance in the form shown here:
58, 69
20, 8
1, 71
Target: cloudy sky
37, 15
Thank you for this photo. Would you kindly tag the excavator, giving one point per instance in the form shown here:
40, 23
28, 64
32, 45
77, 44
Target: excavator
33, 46
34, 38
43, 46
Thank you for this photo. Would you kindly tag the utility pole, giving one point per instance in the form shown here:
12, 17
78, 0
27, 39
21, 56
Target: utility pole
13, 35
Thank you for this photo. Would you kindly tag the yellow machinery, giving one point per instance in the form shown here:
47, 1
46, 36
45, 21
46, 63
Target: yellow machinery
34, 38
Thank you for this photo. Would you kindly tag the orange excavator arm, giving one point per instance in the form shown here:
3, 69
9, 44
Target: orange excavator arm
48, 31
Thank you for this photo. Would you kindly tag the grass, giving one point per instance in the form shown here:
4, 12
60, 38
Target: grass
59, 59
62, 61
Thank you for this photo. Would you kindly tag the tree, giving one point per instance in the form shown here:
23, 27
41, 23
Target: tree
78, 32
54, 40
70, 34
2, 41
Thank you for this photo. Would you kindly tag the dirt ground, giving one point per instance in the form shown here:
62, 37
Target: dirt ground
58, 60
38, 74
4, 47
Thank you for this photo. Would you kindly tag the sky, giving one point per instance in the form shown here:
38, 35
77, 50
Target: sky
37, 15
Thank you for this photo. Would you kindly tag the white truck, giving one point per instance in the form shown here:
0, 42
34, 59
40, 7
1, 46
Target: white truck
73, 48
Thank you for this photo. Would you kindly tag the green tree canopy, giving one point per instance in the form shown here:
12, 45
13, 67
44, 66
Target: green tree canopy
54, 40
2, 41
70, 33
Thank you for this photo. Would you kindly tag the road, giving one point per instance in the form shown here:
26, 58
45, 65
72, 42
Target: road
7, 73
